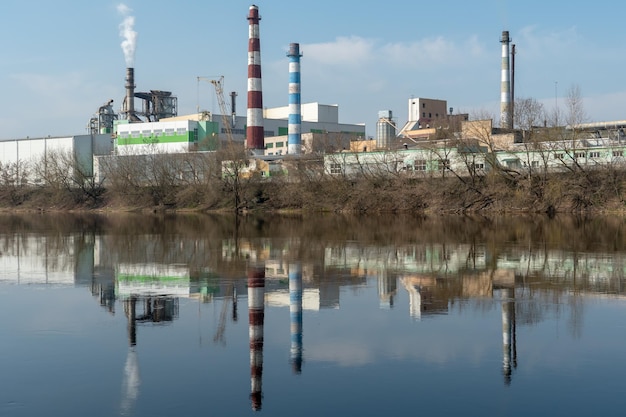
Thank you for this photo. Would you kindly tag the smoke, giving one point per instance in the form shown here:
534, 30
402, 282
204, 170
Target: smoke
128, 34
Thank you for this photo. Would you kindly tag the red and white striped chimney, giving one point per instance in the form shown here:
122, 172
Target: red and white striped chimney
255, 140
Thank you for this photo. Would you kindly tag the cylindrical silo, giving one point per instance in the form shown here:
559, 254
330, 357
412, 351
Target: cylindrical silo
385, 129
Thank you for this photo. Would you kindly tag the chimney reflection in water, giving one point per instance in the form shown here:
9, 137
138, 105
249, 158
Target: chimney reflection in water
256, 307
508, 333
295, 315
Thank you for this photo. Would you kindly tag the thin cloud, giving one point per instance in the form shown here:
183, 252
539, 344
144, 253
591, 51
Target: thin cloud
537, 44
425, 53
343, 52
429, 53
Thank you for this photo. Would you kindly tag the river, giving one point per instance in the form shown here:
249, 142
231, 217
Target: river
309, 315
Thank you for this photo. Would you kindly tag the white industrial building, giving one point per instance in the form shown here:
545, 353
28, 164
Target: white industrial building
27, 153
316, 118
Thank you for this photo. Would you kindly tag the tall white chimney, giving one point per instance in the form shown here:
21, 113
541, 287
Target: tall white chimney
506, 119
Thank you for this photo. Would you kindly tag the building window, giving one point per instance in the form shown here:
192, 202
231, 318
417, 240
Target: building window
534, 164
335, 168
280, 144
423, 105
269, 145
558, 156
424, 114
579, 155
594, 154
444, 165
618, 153
420, 165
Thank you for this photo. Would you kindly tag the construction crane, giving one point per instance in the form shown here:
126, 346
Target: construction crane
219, 92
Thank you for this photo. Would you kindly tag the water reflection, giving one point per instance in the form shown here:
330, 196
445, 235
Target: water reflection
256, 314
508, 333
295, 316
149, 264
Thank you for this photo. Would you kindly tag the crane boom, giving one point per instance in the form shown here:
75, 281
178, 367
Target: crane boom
219, 92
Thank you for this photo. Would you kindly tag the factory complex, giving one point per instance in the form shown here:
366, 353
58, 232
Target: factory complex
433, 141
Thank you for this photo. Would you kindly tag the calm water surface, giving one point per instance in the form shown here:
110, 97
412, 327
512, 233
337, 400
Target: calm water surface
309, 316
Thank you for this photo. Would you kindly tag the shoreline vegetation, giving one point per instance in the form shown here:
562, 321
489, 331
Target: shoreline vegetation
597, 190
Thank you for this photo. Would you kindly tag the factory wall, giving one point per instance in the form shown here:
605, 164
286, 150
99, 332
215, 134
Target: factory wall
311, 112
31, 151
157, 137
426, 110
311, 143
429, 162
474, 160
141, 169
316, 118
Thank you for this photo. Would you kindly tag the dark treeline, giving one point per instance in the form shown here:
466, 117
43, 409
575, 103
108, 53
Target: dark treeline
306, 189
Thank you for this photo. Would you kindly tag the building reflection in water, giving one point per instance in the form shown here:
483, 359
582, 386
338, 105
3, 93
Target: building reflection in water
295, 315
387, 287
434, 275
256, 312
423, 300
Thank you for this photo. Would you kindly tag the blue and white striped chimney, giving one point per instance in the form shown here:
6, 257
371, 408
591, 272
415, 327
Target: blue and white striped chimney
294, 139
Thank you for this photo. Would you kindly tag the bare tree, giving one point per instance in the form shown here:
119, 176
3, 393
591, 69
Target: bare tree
14, 182
62, 174
239, 175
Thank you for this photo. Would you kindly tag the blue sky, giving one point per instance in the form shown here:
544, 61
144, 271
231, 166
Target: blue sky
63, 59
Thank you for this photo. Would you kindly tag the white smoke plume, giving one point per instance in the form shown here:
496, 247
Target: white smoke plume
128, 34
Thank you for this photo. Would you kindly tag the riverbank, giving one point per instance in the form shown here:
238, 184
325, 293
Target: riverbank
598, 191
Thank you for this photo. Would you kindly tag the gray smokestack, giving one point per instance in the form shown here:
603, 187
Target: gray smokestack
129, 101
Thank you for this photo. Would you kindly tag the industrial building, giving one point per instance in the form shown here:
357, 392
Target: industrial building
25, 159
155, 128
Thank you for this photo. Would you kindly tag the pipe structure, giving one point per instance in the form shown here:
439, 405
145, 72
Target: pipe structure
505, 88
295, 316
255, 140
233, 111
294, 139
513, 52
256, 313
